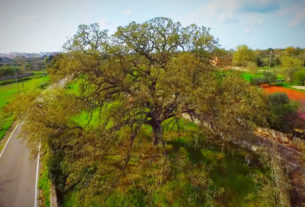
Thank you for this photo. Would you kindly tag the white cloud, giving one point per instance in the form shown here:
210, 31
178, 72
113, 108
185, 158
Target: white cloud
298, 18
260, 21
126, 11
296, 12
105, 23
232, 11
247, 30
213, 7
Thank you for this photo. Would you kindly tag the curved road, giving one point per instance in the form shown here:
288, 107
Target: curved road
17, 174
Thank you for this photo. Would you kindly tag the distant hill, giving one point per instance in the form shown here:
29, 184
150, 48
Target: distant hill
27, 55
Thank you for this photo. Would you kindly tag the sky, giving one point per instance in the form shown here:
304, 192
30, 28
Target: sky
44, 25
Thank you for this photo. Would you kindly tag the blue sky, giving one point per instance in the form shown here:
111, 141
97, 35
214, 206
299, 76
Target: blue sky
41, 25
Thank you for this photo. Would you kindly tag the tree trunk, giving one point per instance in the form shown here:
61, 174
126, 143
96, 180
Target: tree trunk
157, 133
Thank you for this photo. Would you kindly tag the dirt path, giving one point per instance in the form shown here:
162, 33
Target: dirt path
292, 94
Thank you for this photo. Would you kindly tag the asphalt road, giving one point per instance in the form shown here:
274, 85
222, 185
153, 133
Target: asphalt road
17, 174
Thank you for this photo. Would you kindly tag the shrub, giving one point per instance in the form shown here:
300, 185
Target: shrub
282, 112
299, 77
287, 61
289, 74
267, 77
8, 70
278, 99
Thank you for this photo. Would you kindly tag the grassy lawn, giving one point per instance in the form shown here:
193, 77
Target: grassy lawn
9, 91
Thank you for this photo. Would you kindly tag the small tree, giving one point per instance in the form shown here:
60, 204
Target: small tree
282, 112
243, 55
252, 66
290, 62
300, 77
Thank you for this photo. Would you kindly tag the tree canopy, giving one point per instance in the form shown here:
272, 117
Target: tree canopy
143, 77
243, 55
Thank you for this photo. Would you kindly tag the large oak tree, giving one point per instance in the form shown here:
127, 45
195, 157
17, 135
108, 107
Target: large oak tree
146, 74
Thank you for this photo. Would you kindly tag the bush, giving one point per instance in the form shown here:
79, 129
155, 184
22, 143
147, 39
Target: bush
287, 61
257, 81
282, 112
8, 70
252, 66
289, 74
267, 77
278, 99
299, 77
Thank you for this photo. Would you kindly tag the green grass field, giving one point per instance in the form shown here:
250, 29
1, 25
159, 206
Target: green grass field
9, 91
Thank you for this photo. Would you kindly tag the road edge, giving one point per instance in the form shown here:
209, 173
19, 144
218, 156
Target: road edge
37, 179
8, 140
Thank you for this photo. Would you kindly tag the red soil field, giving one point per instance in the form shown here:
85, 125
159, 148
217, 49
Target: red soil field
292, 94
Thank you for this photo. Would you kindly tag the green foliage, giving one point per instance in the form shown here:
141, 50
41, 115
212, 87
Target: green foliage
282, 112
300, 77
289, 62
108, 137
234, 183
44, 182
278, 99
6, 121
243, 55
294, 75
252, 66
8, 70
264, 78
289, 74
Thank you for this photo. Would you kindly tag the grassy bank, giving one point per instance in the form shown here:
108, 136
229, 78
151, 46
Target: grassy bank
44, 183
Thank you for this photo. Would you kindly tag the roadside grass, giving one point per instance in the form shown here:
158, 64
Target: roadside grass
6, 124
9, 91
44, 183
